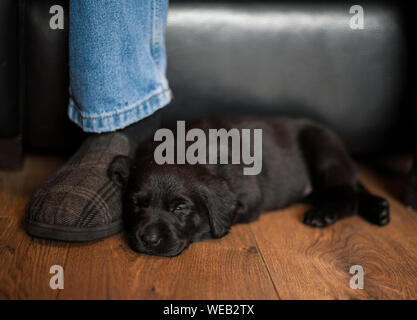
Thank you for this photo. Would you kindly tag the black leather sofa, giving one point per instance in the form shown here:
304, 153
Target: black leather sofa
230, 57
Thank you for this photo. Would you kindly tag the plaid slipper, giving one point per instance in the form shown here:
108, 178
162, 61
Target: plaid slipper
80, 203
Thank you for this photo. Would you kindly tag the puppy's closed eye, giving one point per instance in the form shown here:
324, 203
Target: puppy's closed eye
180, 207
139, 201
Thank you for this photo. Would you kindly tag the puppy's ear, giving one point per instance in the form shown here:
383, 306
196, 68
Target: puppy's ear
220, 203
119, 170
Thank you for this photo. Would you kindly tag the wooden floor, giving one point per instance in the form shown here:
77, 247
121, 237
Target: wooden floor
276, 257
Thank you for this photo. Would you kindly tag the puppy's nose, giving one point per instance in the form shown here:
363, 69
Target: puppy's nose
151, 238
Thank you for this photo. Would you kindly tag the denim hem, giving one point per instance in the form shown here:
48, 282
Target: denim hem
109, 122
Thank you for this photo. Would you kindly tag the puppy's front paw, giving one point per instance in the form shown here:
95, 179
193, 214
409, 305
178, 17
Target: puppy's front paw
319, 218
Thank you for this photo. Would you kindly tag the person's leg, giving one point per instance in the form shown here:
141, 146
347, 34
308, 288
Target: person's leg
117, 73
117, 62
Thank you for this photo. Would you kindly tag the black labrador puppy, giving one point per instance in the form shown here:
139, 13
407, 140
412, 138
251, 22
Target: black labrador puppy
167, 207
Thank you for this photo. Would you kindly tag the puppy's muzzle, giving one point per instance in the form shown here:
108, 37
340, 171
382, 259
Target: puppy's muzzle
150, 237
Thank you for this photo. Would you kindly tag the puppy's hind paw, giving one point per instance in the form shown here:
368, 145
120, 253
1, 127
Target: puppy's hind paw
375, 210
317, 218
411, 199
379, 212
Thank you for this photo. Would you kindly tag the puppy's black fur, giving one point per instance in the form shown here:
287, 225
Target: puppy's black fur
411, 186
166, 207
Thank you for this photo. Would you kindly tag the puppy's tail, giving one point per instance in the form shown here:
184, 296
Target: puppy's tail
372, 208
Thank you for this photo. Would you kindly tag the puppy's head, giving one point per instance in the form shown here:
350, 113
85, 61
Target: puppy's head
166, 207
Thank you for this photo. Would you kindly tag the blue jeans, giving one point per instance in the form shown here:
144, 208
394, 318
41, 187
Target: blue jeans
117, 62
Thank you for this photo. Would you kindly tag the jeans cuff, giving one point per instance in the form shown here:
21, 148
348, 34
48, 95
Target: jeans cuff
119, 119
